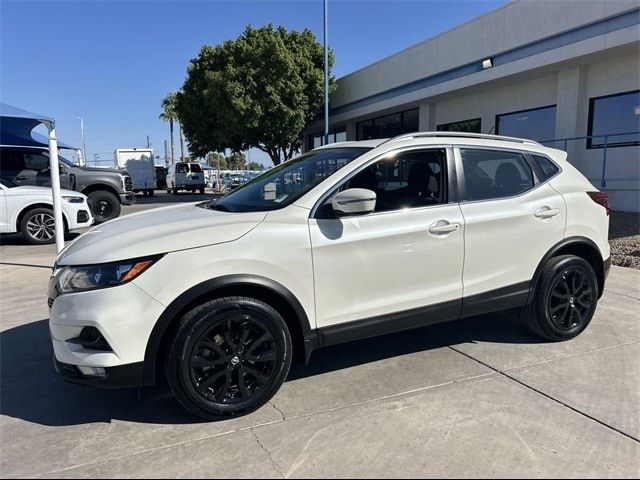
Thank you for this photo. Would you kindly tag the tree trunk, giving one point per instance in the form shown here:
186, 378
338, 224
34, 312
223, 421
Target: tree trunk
171, 133
181, 144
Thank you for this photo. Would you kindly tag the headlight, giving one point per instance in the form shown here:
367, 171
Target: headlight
73, 199
92, 277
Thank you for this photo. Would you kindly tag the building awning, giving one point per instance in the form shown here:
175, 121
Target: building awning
16, 127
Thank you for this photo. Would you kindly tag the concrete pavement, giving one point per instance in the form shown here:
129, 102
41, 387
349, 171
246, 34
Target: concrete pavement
480, 397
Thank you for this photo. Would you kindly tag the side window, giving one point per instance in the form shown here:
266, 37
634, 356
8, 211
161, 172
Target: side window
547, 168
494, 174
11, 163
407, 180
36, 162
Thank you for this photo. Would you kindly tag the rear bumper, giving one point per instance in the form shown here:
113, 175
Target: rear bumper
123, 376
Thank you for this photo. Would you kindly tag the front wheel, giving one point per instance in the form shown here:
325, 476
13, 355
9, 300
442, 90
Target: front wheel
38, 226
104, 206
230, 356
565, 299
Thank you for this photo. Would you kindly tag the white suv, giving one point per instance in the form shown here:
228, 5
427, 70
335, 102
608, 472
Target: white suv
347, 241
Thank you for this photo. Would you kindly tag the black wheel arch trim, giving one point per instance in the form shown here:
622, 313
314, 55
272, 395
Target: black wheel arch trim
172, 311
601, 270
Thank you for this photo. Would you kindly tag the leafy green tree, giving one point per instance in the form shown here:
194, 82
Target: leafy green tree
260, 90
170, 115
255, 166
214, 157
237, 161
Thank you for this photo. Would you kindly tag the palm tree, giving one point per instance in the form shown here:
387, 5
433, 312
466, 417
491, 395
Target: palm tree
170, 115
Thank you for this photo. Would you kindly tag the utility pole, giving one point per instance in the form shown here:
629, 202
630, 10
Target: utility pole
326, 73
84, 147
166, 159
148, 142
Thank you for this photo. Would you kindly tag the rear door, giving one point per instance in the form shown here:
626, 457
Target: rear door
512, 219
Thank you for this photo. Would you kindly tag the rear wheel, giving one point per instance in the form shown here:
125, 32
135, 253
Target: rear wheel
229, 357
202, 191
38, 226
104, 206
565, 299
175, 191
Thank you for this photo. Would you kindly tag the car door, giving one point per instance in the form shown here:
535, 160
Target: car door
405, 258
512, 220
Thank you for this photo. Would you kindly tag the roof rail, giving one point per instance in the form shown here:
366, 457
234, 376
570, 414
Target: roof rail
462, 135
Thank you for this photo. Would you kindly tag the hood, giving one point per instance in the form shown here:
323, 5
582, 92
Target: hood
43, 191
160, 230
104, 170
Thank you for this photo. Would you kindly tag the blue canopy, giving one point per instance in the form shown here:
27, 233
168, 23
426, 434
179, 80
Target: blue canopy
16, 127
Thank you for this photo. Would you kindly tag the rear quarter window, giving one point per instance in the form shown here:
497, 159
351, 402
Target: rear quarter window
547, 168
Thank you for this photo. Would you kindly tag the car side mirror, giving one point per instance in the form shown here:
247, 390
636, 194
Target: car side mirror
354, 201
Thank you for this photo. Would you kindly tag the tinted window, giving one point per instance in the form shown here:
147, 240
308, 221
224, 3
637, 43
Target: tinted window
494, 174
196, 168
536, 124
389, 125
11, 163
182, 168
547, 168
408, 180
473, 126
615, 114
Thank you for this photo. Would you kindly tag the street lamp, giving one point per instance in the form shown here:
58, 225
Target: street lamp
84, 147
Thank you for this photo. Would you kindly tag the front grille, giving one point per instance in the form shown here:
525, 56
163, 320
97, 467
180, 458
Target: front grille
128, 185
83, 216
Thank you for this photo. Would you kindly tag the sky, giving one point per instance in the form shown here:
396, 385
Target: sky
112, 62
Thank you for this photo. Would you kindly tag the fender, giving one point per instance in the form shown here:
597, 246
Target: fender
577, 241
170, 313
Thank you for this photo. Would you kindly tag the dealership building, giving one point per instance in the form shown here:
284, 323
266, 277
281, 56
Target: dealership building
565, 73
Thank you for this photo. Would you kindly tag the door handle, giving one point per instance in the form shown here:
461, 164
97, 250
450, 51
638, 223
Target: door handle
546, 212
442, 227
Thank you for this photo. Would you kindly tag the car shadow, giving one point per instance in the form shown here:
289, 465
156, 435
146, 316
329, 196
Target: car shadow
32, 391
182, 197
18, 239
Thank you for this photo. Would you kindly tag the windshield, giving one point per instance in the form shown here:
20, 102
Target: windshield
287, 182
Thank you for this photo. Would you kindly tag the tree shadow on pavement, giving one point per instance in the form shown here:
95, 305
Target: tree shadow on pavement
31, 390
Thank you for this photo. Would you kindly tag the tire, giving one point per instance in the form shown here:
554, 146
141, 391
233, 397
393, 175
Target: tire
175, 191
214, 373
152, 193
104, 206
565, 299
202, 191
38, 226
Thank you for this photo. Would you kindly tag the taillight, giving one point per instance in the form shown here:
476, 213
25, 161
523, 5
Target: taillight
601, 199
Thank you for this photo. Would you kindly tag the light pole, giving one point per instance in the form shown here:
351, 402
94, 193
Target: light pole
326, 74
84, 147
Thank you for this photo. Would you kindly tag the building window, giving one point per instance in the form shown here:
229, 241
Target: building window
337, 134
535, 124
613, 114
389, 125
470, 126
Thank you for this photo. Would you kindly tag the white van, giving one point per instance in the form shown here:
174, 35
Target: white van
185, 176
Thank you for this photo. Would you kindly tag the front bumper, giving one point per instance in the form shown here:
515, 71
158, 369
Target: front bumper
123, 376
124, 316
127, 198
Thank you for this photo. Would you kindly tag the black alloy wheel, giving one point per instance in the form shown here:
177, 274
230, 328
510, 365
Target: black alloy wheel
571, 299
229, 357
233, 360
565, 299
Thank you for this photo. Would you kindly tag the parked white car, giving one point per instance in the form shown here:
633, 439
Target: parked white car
29, 210
185, 176
348, 241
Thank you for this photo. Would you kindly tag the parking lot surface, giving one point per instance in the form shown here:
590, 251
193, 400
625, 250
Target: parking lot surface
480, 397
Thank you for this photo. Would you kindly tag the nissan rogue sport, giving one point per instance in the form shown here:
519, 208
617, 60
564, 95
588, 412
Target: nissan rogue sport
347, 241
